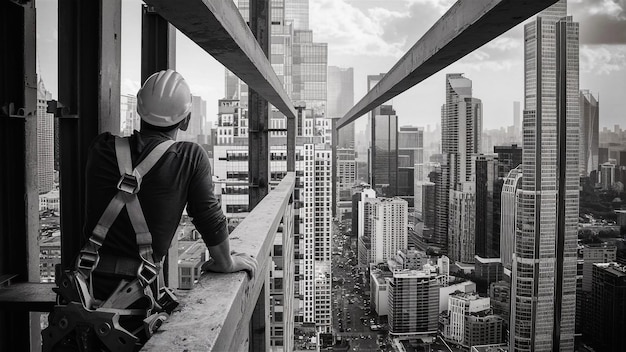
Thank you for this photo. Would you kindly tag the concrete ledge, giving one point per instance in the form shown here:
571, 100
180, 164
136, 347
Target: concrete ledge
28, 297
467, 26
218, 28
215, 315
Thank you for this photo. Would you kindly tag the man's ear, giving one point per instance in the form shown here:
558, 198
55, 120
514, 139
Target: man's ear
185, 123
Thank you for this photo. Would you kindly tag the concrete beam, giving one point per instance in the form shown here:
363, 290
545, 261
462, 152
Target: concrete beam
218, 28
215, 315
467, 26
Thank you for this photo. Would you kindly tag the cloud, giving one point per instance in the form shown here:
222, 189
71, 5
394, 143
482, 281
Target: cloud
350, 31
130, 86
602, 59
601, 21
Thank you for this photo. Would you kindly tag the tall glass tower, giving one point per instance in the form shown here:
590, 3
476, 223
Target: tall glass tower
544, 264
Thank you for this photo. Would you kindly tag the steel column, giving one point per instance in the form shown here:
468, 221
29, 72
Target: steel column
258, 166
259, 112
89, 86
19, 222
158, 52
158, 43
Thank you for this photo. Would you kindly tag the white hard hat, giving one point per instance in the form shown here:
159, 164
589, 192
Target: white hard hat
164, 99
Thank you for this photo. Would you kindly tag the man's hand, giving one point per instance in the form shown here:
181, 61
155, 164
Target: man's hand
233, 263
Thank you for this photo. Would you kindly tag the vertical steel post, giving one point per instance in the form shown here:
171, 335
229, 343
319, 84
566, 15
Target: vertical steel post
89, 86
258, 112
158, 52
158, 43
258, 162
19, 222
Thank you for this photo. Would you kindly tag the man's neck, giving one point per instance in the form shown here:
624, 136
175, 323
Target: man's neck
170, 134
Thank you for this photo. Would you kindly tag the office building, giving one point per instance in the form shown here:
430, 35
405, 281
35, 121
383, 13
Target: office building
461, 127
340, 99
441, 178
543, 278
344, 180
483, 329
461, 224
383, 159
129, 118
509, 157
425, 206
511, 187
410, 161
487, 237
196, 130
607, 175
589, 132
461, 306
592, 254
389, 230
413, 305
500, 295
45, 140
365, 225
379, 290
608, 310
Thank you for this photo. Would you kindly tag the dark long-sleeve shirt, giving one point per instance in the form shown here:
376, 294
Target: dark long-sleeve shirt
181, 177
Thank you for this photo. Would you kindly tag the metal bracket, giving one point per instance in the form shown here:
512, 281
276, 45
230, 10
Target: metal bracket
59, 110
8, 111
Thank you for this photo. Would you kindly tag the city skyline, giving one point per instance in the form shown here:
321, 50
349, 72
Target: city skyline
495, 66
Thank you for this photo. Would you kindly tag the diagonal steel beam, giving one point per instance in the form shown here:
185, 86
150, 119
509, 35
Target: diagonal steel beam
218, 28
466, 26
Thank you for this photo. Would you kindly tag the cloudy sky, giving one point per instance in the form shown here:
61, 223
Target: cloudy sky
371, 35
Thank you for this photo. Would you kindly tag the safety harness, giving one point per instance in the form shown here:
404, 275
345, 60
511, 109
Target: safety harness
80, 319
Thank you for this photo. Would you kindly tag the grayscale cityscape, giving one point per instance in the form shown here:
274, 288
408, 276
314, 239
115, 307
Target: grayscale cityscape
410, 175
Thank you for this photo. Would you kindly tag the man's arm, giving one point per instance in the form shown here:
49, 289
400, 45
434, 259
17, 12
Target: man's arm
224, 261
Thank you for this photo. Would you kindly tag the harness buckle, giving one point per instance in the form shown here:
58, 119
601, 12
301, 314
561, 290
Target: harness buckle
129, 184
87, 260
147, 272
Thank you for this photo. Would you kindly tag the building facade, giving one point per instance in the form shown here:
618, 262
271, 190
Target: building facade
508, 220
413, 304
608, 321
544, 264
383, 160
45, 140
487, 238
390, 231
589, 132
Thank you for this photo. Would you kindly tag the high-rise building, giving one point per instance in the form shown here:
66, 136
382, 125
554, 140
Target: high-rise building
384, 151
413, 304
45, 140
544, 264
608, 310
129, 118
366, 227
196, 129
297, 11
425, 206
389, 232
517, 125
340, 99
508, 222
461, 224
441, 178
589, 132
461, 132
410, 161
607, 175
509, 157
461, 127
487, 238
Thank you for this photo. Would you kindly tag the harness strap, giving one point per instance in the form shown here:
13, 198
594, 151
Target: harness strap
128, 186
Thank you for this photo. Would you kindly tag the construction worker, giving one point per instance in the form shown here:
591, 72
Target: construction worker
182, 177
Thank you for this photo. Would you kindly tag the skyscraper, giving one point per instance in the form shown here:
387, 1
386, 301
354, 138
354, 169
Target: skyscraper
384, 151
508, 223
389, 233
340, 99
461, 130
441, 178
410, 161
589, 132
544, 264
45, 140
608, 310
487, 241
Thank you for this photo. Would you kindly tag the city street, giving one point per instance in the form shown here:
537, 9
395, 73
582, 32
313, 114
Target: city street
351, 315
